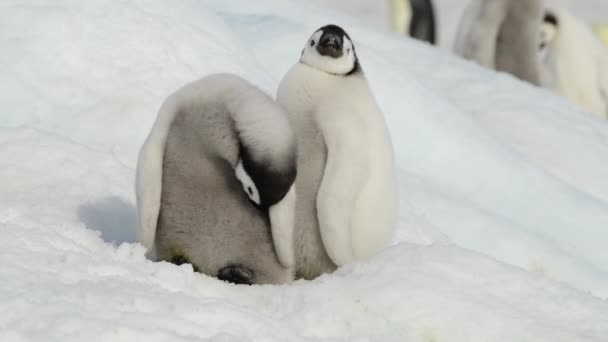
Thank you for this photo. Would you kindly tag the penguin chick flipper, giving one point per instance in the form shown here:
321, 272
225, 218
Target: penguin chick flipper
148, 196
345, 173
148, 177
282, 225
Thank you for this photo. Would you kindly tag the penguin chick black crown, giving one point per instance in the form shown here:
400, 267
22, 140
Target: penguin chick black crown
331, 50
550, 18
265, 184
548, 30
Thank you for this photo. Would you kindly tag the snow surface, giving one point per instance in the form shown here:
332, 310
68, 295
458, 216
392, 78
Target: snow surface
504, 194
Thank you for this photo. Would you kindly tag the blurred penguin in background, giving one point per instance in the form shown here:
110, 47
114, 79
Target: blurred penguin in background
502, 35
602, 31
574, 62
415, 18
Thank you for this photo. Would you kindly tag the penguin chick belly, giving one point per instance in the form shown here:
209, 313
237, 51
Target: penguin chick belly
358, 127
205, 217
375, 212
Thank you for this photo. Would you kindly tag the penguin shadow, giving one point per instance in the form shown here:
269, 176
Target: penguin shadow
112, 216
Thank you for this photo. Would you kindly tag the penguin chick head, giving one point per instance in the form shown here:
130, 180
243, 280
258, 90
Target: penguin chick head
263, 183
548, 30
331, 50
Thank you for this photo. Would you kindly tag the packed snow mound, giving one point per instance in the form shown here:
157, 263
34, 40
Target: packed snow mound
70, 286
504, 199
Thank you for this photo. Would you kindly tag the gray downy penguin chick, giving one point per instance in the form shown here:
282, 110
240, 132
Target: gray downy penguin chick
502, 35
346, 186
415, 18
214, 182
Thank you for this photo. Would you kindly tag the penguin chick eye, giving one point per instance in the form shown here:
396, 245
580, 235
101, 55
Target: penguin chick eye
312, 43
542, 45
248, 185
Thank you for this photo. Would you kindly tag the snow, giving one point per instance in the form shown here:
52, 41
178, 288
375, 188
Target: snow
504, 198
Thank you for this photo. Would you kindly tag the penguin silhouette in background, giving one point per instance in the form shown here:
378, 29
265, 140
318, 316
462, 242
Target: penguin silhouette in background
574, 62
415, 18
502, 35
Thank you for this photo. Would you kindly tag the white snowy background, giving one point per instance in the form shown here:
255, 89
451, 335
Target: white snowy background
503, 228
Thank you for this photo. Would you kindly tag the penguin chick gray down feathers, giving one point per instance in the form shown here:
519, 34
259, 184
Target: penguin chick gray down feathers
215, 182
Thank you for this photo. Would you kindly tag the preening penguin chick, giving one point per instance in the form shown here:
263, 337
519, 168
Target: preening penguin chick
346, 185
415, 18
574, 62
215, 181
502, 35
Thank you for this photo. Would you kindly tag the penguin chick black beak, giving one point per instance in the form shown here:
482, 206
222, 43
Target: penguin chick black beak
330, 45
236, 274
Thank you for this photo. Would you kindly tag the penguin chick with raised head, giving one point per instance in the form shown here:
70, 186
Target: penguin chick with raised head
346, 185
502, 35
215, 182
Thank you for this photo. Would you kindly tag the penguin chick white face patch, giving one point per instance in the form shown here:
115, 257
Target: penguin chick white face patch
248, 186
330, 50
547, 33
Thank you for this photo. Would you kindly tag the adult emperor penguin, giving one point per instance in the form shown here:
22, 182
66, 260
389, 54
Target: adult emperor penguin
214, 182
415, 18
502, 35
346, 185
574, 62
